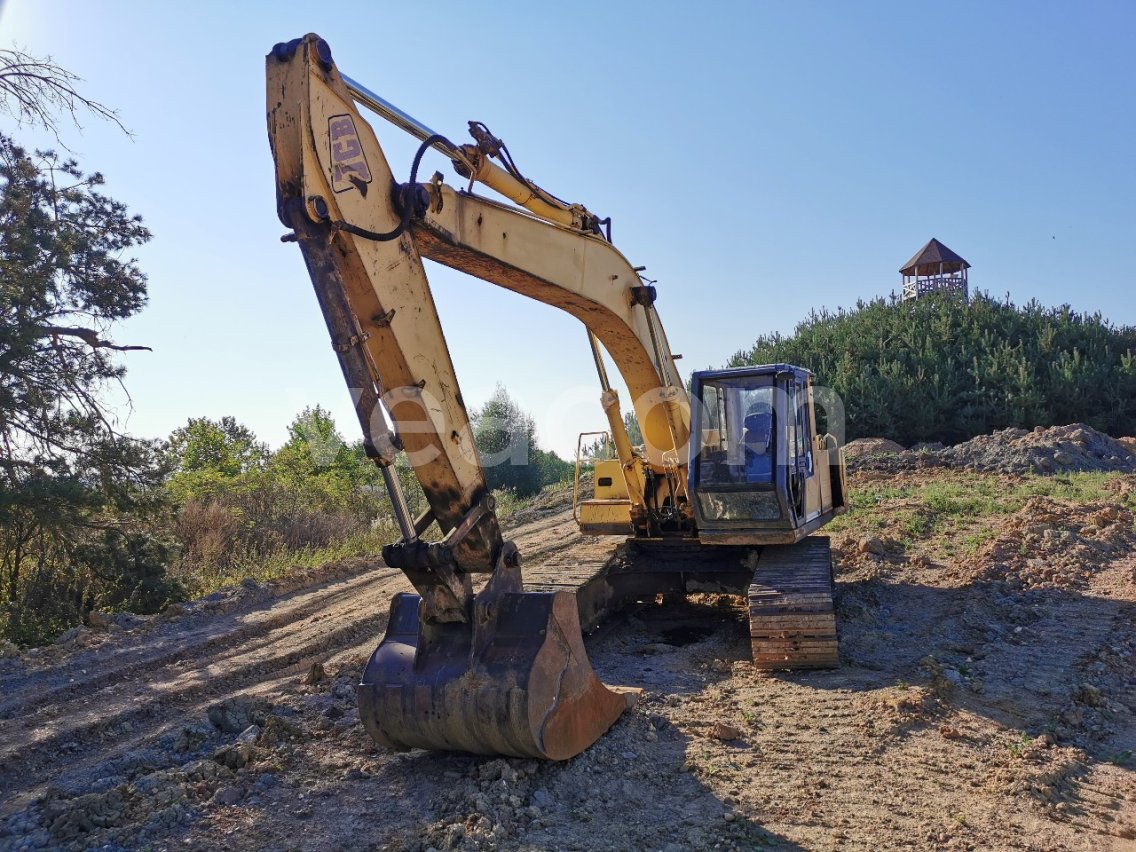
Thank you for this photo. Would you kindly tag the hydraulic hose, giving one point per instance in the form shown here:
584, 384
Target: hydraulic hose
407, 200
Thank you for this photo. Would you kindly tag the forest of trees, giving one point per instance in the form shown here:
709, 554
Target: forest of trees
74, 492
942, 369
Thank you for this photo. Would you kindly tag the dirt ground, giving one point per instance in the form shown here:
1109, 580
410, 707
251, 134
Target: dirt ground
985, 701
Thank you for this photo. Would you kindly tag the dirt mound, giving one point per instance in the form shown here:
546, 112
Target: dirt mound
1076, 447
1056, 449
1056, 544
871, 447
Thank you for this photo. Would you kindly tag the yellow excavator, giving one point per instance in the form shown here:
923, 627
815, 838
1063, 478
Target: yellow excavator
725, 503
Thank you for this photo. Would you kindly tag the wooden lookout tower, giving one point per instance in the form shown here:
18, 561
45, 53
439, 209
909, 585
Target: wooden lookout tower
934, 269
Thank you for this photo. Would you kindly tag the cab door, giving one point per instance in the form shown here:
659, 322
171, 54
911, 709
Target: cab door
804, 484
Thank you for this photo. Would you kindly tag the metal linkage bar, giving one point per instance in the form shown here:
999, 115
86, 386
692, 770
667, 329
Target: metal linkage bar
403, 121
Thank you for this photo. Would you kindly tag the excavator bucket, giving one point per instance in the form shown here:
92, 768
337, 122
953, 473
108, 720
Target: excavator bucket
518, 685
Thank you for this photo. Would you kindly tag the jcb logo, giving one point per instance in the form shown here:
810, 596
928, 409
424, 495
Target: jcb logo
349, 169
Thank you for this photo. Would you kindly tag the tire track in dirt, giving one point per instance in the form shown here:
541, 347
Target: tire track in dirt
218, 632
1026, 694
54, 730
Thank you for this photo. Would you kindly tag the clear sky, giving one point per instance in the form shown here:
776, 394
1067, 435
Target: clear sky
760, 159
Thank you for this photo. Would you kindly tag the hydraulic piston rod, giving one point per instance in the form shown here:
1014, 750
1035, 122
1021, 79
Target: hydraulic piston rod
473, 160
403, 121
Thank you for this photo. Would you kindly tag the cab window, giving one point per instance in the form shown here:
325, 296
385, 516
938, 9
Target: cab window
738, 432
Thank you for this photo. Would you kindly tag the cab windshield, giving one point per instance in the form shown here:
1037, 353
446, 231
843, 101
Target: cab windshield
738, 432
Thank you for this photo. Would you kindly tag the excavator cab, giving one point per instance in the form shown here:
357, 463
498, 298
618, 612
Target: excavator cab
759, 473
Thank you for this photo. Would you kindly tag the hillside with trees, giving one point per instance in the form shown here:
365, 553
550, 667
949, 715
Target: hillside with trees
941, 369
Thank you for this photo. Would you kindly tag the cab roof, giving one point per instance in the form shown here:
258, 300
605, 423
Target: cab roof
799, 373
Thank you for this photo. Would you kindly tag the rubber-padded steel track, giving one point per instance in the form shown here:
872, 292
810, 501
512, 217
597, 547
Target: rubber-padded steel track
792, 620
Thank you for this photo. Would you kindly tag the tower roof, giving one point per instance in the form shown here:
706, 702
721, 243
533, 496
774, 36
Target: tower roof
928, 259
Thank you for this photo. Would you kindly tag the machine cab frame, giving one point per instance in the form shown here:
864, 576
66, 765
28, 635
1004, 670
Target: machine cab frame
758, 469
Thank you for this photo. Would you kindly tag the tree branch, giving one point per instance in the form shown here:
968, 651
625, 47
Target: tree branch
88, 336
33, 90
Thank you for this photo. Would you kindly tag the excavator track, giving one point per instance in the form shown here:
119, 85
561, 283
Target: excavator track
792, 619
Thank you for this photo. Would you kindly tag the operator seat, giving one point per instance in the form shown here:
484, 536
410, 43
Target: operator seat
758, 442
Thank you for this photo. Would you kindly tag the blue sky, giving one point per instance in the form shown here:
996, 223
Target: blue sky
760, 159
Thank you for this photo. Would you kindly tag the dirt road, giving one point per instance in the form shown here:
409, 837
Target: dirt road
967, 714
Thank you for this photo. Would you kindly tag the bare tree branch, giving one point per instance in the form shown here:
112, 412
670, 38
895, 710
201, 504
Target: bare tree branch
36, 91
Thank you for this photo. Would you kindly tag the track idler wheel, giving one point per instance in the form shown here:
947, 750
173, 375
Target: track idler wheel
520, 685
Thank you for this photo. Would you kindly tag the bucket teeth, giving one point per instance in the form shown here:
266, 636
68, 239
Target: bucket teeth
521, 686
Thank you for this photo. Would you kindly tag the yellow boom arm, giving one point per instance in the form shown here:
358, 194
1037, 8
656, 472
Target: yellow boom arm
364, 247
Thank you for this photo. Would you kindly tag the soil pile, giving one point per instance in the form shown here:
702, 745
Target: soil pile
870, 447
1055, 544
1056, 449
